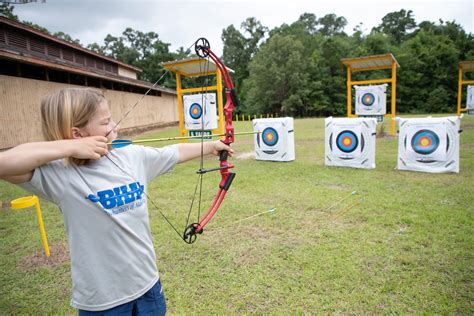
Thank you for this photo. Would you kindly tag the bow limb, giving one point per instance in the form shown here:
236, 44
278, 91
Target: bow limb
192, 230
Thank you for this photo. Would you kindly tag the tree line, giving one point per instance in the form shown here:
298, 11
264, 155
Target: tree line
295, 69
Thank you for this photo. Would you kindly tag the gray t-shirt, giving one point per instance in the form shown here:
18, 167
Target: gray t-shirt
106, 219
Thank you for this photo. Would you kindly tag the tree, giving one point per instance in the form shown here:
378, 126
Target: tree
278, 78
427, 78
398, 25
6, 10
139, 49
332, 24
239, 49
328, 77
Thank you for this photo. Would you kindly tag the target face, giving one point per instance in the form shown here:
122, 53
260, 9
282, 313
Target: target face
195, 111
425, 142
368, 99
347, 141
270, 136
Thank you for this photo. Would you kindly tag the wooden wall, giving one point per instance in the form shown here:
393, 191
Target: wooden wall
20, 118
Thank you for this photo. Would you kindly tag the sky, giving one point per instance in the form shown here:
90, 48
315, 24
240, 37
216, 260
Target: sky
181, 22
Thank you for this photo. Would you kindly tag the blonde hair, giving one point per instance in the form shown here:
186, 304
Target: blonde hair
63, 109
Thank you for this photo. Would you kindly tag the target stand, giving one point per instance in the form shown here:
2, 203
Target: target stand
429, 144
275, 140
464, 67
189, 112
371, 99
350, 142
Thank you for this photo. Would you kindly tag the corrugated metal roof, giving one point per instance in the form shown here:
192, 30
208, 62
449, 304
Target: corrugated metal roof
192, 66
82, 71
467, 65
29, 29
373, 61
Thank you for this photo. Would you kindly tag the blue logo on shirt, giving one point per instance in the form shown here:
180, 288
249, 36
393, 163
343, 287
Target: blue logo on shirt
118, 196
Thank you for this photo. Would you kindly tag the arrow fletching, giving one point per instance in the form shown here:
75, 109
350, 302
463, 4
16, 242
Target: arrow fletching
119, 143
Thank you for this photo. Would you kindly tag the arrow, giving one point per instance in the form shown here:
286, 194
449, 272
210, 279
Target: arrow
119, 143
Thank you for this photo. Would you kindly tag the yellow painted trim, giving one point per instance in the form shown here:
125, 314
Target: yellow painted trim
364, 82
179, 91
200, 89
459, 90
349, 91
394, 98
468, 82
371, 68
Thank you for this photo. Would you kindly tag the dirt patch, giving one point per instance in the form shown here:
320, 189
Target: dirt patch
245, 156
59, 254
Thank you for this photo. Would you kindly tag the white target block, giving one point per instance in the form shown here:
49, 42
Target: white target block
275, 140
470, 100
429, 144
350, 142
200, 111
371, 100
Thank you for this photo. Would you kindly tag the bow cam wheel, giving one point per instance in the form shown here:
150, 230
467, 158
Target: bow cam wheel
202, 47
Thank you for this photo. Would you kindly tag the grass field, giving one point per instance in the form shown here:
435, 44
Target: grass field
404, 243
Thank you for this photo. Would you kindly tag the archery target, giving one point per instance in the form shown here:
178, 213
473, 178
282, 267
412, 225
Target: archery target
470, 100
275, 142
371, 100
350, 142
270, 136
425, 142
200, 112
347, 141
195, 111
368, 99
429, 144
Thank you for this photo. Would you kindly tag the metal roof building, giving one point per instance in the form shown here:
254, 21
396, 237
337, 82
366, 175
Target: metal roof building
33, 63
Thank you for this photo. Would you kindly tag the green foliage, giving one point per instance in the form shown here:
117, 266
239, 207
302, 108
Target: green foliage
239, 50
295, 69
428, 76
428, 53
143, 50
278, 77
398, 25
6, 10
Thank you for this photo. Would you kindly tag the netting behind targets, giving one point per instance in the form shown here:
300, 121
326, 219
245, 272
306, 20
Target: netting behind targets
350, 142
276, 141
200, 111
429, 144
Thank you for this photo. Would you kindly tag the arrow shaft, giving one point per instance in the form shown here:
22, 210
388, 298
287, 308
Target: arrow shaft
139, 141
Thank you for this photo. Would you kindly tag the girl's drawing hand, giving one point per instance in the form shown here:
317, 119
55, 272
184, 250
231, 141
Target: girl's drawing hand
92, 147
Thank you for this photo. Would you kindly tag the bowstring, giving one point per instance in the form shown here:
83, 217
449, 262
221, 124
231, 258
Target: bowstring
199, 182
122, 118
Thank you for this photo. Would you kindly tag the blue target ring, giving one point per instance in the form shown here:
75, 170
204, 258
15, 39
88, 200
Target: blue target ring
195, 111
270, 136
425, 142
347, 141
368, 99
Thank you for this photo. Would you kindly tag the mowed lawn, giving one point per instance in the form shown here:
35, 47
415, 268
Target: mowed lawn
402, 243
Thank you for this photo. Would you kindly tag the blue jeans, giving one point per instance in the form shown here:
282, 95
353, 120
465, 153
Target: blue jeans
151, 303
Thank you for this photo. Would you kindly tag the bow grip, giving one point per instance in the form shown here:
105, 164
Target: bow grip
223, 154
